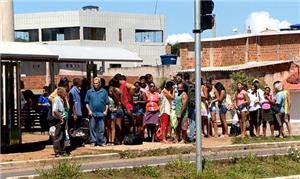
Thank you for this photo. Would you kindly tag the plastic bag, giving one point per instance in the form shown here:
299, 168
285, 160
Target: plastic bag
52, 131
235, 119
173, 119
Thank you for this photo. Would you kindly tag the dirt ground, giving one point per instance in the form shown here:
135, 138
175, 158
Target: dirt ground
37, 147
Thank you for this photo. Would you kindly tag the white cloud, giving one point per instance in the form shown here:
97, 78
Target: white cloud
262, 20
175, 38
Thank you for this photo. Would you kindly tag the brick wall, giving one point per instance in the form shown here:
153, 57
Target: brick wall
36, 83
241, 50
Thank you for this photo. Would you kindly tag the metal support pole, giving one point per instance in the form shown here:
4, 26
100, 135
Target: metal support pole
18, 82
52, 75
198, 84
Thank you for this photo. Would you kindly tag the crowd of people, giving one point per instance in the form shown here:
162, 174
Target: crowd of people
117, 109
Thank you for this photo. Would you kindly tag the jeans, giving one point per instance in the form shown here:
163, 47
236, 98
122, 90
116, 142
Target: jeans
97, 136
192, 122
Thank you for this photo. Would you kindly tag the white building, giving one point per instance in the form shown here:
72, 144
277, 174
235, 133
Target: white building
138, 33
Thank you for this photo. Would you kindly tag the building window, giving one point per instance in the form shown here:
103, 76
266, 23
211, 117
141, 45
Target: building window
155, 36
115, 65
93, 33
59, 34
29, 35
120, 35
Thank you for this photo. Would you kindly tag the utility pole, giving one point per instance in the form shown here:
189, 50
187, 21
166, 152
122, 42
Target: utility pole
204, 20
197, 32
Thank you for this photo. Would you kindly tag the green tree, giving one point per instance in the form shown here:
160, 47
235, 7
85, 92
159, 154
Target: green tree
175, 49
243, 77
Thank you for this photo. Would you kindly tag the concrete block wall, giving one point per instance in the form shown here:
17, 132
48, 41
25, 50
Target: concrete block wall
241, 50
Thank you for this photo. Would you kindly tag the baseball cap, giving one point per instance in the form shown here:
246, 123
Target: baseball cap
255, 80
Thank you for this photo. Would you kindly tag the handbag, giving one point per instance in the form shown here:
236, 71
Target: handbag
133, 139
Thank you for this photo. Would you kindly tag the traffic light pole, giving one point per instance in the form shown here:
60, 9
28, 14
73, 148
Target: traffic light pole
197, 32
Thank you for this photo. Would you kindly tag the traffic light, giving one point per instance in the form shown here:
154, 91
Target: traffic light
207, 18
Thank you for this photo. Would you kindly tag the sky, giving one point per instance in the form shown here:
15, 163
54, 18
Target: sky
231, 15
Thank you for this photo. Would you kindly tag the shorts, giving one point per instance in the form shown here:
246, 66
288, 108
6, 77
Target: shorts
117, 114
222, 109
138, 111
242, 108
213, 109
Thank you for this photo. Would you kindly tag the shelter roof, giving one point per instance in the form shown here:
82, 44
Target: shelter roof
44, 52
244, 66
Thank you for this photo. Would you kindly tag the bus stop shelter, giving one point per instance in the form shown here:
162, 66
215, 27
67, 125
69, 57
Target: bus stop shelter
11, 56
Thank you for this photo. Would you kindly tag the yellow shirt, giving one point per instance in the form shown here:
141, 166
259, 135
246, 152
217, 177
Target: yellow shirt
54, 94
286, 101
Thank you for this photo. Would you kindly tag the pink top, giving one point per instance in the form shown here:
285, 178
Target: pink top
240, 97
266, 104
152, 102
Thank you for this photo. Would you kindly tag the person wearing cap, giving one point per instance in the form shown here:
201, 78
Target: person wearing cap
281, 101
63, 82
256, 96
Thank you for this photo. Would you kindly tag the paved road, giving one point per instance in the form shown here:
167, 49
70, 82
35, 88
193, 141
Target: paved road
161, 160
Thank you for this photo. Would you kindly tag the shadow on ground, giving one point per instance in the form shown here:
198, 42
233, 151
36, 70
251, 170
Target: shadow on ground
27, 147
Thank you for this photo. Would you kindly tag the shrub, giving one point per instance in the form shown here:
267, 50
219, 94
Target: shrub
62, 170
294, 154
148, 171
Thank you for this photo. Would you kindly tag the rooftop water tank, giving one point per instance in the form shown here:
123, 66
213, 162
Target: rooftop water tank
168, 59
295, 27
90, 8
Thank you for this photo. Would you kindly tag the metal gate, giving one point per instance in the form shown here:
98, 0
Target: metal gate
10, 103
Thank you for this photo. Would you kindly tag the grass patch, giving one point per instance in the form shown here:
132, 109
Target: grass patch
62, 170
156, 152
246, 140
95, 152
250, 167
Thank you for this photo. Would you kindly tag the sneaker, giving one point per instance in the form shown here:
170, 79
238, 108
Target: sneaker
93, 145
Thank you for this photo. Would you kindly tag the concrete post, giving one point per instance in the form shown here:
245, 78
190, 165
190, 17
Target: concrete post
6, 21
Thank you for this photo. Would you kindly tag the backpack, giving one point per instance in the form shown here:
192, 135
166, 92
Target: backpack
192, 96
133, 139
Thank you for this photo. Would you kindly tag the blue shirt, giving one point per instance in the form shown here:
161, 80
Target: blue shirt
97, 101
75, 100
43, 100
280, 97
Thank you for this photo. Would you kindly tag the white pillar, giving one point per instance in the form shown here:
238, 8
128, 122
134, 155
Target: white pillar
6, 20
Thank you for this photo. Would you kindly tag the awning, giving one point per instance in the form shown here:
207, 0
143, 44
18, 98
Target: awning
25, 51
233, 68
90, 53
43, 52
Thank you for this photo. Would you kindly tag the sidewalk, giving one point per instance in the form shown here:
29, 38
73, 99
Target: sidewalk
46, 151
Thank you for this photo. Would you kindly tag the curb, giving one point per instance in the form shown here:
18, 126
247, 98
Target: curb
252, 146
45, 162
153, 161
286, 177
90, 158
